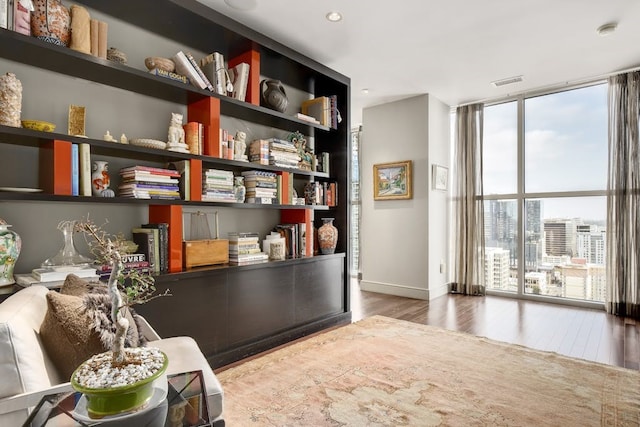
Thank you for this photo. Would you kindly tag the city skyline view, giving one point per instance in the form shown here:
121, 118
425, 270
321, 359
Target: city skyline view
564, 150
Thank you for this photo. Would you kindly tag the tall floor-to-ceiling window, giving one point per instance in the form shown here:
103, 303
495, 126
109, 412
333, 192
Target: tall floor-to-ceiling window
545, 178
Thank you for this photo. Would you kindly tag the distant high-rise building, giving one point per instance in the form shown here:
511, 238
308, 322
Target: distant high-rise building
496, 268
560, 236
590, 244
501, 226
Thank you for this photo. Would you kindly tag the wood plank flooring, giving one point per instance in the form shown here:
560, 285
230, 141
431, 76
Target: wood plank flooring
576, 332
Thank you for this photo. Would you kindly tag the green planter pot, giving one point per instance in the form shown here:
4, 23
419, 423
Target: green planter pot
102, 402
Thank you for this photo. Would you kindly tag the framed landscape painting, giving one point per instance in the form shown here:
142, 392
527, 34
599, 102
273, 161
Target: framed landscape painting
392, 181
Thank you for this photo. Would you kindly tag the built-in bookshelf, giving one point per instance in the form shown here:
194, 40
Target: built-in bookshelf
217, 305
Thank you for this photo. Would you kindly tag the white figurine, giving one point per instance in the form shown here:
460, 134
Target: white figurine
176, 132
175, 140
108, 137
240, 147
123, 139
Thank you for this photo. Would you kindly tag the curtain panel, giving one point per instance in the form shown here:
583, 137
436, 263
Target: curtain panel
468, 209
623, 200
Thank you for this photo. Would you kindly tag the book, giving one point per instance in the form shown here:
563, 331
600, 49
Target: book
148, 245
213, 67
192, 137
239, 76
196, 67
318, 108
184, 67
169, 75
50, 274
84, 169
75, 170
163, 243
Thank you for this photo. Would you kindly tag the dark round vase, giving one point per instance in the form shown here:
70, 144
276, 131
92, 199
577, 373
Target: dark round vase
273, 95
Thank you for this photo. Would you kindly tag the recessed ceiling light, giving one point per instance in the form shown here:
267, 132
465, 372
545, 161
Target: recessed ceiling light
334, 16
606, 29
242, 4
365, 91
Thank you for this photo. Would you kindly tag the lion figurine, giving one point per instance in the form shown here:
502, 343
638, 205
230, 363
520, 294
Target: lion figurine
176, 132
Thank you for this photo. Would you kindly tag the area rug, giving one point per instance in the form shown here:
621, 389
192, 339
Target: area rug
387, 372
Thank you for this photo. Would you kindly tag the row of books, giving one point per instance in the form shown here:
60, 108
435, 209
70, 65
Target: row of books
145, 182
212, 73
153, 248
324, 109
295, 237
321, 193
194, 137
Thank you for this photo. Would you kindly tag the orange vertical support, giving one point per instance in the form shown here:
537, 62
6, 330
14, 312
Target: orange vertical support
207, 112
298, 216
251, 57
55, 167
172, 215
195, 180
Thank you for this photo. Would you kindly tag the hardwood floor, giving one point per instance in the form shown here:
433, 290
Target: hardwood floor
576, 332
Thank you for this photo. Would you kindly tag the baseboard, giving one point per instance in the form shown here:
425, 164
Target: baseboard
393, 289
243, 351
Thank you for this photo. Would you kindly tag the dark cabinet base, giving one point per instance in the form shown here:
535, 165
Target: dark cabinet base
236, 312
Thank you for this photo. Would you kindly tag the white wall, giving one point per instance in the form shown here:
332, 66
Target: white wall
403, 241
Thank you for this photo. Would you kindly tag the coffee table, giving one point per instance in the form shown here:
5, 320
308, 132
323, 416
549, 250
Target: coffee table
185, 405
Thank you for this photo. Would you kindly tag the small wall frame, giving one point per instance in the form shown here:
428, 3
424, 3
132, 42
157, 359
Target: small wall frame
392, 181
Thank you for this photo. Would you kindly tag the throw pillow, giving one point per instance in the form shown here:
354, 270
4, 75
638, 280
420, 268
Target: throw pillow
77, 324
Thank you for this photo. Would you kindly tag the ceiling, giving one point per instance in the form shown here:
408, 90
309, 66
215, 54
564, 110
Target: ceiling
451, 49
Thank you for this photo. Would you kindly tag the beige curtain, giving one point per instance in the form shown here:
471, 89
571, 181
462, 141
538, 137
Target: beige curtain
468, 219
623, 200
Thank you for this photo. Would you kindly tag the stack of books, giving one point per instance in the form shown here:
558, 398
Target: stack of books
262, 187
283, 153
136, 261
54, 277
217, 186
144, 182
244, 248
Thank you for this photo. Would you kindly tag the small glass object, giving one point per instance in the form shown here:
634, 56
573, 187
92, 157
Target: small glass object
67, 256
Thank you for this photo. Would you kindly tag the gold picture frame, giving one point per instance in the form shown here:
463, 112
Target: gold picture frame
392, 181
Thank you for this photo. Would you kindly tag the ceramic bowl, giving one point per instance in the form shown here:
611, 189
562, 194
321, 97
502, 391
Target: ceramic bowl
38, 125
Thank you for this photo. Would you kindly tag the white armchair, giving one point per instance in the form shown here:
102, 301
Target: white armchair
28, 373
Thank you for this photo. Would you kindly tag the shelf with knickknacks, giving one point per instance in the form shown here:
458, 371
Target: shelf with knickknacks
305, 153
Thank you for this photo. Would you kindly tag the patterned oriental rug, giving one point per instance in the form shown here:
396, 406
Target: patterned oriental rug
387, 372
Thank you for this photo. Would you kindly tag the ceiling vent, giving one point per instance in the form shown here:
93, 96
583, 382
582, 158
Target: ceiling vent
507, 81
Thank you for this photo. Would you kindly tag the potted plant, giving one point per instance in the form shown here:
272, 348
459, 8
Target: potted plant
120, 379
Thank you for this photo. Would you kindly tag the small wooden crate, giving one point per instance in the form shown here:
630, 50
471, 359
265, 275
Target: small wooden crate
205, 252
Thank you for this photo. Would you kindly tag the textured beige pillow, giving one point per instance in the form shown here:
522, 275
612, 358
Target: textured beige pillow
77, 326
67, 333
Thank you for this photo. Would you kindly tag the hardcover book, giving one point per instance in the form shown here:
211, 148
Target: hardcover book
184, 67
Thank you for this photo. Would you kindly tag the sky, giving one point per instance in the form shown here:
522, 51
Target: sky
565, 149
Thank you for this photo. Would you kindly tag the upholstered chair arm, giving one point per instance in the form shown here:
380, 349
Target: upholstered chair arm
145, 329
30, 399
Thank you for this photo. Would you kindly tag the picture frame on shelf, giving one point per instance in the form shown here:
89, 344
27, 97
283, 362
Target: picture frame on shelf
393, 181
439, 177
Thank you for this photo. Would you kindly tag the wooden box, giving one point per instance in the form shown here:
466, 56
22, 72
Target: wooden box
205, 252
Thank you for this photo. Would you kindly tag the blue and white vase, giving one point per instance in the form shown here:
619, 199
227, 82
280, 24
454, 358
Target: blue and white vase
10, 245
239, 190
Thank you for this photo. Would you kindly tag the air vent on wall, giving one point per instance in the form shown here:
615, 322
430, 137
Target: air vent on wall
507, 81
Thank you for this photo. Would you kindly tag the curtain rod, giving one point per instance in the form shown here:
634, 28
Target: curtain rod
548, 88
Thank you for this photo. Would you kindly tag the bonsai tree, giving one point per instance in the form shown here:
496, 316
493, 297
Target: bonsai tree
125, 287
